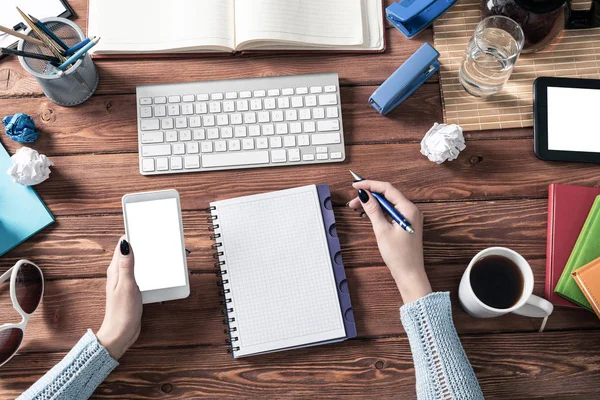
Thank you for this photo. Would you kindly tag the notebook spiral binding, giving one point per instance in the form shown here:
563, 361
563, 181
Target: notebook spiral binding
221, 272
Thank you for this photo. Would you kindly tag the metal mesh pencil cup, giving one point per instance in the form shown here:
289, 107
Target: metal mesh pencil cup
71, 87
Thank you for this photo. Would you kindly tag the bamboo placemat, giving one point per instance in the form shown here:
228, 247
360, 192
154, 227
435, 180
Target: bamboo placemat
575, 53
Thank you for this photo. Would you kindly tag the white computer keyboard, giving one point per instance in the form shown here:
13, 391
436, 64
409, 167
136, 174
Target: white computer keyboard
240, 123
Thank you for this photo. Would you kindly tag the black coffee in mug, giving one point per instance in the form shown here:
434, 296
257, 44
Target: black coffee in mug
497, 281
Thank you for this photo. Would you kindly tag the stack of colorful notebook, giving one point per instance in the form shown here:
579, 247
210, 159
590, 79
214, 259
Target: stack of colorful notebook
573, 242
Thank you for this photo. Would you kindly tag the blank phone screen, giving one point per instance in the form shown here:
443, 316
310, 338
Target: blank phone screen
573, 119
154, 232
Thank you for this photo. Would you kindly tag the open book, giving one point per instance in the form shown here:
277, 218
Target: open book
209, 26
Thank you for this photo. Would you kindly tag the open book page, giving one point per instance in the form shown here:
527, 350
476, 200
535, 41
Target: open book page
331, 23
157, 26
279, 271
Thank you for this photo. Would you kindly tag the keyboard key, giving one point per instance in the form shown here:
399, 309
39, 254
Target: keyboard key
212, 133
295, 127
248, 144
160, 100
148, 164
310, 101
269, 103
336, 155
304, 114
263, 116
281, 129
277, 116
199, 134
242, 105
234, 145
202, 97
309, 126
240, 131
188, 98
297, 102
176, 163
195, 122
289, 141
146, 112
206, 147
235, 159
152, 137
160, 111
216, 96
178, 148
222, 119
245, 94
187, 109
318, 113
273, 92
201, 108
192, 162
291, 115
236, 119
328, 125
321, 149
327, 99
180, 122
278, 156
325, 138
250, 118
332, 112
166, 123
173, 109
214, 107
302, 90
322, 156
231, 95
208, 120
256, 104
171, 136
283, 102
316, 89
154, 150
254, 130
308, 157
226, 132
262, 143
220, 146
228, 106
294, 154
192, 148
303, 140
162, 164
330, 89
260, 93
144, 101
275, 142
268, 129
174, 99
185, 135
149, 125
287, 91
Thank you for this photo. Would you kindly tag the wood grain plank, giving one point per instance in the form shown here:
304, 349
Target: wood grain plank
91, 184
66, 311
518, 366
454, 233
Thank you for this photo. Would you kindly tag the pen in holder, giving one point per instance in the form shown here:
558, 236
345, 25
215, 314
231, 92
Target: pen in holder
65, 88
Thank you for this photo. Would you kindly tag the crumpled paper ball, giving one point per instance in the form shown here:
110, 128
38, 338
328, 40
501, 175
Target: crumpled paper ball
29, 167
20, 128
443, 143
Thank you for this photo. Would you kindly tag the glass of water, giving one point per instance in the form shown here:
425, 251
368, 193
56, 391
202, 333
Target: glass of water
491, 55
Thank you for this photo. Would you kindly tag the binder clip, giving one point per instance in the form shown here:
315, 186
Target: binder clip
412, 16
405, 80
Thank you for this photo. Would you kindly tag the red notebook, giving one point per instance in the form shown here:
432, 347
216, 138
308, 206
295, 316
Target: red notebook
568, 208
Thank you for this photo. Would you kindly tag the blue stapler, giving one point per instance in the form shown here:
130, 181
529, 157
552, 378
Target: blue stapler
406, 79
412, 16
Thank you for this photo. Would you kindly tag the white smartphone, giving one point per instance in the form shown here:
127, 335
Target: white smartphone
154, 228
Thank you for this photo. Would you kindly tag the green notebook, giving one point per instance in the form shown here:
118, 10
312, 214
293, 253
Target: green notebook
587, 249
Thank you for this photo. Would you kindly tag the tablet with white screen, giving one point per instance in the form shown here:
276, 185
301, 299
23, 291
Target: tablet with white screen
567, 119
154, 228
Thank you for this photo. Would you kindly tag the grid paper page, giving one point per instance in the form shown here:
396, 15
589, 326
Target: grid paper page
279, 271
575, 54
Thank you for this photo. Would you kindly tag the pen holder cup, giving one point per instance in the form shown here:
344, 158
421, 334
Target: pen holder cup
72, 86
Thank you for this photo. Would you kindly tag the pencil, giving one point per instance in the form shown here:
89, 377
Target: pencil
75, 57
78, 46
43, 37
48, 32
29, 55
21, 36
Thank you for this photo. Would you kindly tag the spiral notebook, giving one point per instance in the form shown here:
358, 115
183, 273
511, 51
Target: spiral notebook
284, 285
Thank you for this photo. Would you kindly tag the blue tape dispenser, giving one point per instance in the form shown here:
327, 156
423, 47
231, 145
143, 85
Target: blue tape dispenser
406, 79
412, 16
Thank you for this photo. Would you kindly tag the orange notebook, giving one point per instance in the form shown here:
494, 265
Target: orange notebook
588, 280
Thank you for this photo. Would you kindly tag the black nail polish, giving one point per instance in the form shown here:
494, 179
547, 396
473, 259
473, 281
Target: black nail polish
363, 196
362, 214
124, 247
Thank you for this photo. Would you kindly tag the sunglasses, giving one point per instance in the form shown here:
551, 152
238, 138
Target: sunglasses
26, 290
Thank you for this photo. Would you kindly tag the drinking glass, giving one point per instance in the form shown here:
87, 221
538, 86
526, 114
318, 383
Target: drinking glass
491, 55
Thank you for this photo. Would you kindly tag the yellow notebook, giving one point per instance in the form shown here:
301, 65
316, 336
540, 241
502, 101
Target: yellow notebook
588, 280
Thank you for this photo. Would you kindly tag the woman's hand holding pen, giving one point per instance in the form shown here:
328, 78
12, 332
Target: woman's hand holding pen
401, 251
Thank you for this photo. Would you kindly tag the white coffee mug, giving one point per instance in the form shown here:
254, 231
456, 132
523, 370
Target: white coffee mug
528, 304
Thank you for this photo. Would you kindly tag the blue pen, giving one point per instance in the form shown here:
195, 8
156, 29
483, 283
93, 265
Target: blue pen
78, 54
78, 46
389, 208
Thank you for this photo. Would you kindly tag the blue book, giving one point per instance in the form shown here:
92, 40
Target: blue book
22, 212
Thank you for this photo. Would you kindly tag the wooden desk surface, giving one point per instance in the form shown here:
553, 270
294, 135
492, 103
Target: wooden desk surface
495, 194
